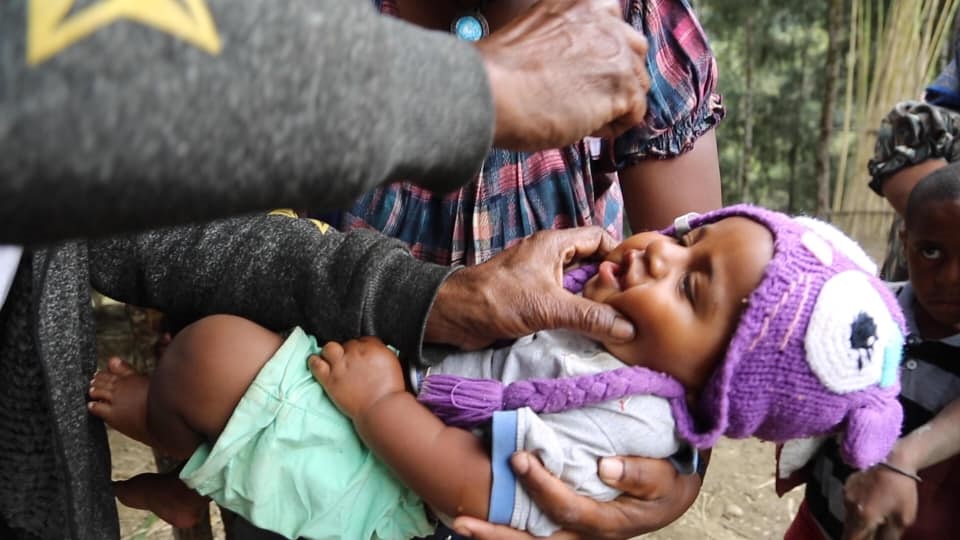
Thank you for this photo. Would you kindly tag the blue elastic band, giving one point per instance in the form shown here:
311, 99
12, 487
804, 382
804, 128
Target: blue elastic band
503, 489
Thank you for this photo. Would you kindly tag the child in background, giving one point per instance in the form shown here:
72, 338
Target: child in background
890, 499
748, 323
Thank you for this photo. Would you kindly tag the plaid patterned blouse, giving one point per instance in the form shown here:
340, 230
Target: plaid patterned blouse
518, 193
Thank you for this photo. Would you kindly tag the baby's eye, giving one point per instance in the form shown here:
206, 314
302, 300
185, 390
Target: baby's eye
931, 253
686, 287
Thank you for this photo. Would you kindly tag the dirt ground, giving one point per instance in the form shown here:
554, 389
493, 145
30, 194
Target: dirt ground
736, 502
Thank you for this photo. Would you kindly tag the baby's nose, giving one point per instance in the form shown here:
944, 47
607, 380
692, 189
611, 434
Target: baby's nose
658, 258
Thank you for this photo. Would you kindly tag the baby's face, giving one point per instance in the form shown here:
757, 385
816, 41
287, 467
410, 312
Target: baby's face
932, 247
684, 296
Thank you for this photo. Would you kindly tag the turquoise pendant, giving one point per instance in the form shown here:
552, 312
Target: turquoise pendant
470, 27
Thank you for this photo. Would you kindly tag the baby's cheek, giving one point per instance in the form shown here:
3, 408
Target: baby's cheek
634, 353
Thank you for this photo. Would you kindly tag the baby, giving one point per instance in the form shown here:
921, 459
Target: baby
749, 323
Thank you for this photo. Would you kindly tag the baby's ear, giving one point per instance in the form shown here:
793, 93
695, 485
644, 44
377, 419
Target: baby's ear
871, 432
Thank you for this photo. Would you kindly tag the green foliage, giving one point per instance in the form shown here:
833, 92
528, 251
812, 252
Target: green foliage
772, 57
787, 54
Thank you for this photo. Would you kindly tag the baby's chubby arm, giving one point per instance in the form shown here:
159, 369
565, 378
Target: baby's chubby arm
447, 466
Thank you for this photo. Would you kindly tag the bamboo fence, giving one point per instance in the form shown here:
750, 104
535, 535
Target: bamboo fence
894, 52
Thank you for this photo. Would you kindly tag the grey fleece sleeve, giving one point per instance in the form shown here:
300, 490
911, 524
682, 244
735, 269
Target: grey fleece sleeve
278, 271
114, 120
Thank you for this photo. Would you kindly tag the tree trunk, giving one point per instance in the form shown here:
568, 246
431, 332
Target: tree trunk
802, 96
746, 156
832, 72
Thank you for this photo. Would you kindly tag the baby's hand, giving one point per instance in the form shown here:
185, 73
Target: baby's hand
357, 374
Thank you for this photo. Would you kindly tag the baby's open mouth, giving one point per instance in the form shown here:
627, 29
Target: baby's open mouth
611, 274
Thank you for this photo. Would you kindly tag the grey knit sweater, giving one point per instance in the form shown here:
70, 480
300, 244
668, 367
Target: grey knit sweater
306, 103
313, 101
279, 271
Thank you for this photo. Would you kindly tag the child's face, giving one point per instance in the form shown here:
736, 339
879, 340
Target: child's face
684, 297
932, 247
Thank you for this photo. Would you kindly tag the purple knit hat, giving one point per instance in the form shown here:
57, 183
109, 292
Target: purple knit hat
817, 351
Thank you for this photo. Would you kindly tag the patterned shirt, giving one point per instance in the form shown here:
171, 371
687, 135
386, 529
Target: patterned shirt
518, 193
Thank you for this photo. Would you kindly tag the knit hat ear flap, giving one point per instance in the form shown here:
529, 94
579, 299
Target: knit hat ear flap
868, 437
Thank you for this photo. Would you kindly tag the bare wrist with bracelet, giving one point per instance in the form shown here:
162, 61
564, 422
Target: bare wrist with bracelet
898, 470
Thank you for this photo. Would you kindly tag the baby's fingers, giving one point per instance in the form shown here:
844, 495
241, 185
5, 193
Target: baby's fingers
320, 368
332, 352
323, 365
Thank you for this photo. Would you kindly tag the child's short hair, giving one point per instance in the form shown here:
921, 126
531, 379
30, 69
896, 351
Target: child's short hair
816, 351
942, 185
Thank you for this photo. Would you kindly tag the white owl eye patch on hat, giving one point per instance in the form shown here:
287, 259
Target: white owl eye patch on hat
852, 342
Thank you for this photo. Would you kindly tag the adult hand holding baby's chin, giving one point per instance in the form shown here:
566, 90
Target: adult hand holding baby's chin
654, 495
520, 291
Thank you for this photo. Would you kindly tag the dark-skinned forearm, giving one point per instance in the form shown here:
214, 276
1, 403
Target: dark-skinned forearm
897, 187
931, 443
652, 203
446, 466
